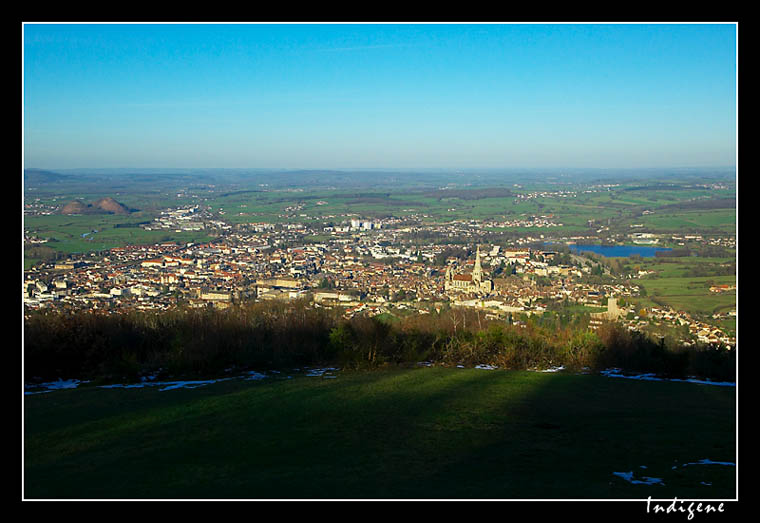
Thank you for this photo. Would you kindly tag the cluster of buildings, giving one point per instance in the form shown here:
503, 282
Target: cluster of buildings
539, 221
38, 208
188, 218
699, 331
728, 242
363, 266
547, 194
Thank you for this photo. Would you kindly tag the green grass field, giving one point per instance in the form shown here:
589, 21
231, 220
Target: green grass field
389, 434
692, 294
674, 285
77, 234
719, 220
248, 204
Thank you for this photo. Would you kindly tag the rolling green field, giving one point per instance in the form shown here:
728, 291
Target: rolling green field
83, 233
675, 285
679, 207
692, 294
425, 433
718, 220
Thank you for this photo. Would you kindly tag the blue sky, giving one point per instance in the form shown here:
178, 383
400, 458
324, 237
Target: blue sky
369, 95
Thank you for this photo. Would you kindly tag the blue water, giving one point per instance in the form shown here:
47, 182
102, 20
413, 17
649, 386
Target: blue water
619, 251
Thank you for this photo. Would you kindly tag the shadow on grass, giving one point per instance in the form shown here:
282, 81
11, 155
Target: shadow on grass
422, 433
570, 435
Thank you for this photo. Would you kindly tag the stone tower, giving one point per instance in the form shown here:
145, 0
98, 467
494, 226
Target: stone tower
477, 271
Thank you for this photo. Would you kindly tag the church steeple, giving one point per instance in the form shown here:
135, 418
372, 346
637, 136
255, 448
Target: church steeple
477, 271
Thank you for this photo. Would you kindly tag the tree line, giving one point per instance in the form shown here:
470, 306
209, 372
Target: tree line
280, 335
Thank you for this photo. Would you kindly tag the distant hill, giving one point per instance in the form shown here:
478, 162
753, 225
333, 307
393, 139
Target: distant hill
111, 206
75, 207
35, 176
102, 206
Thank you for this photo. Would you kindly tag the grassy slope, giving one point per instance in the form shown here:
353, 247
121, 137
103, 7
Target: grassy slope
422, 433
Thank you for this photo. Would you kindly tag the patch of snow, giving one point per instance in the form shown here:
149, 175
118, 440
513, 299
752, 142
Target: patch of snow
167, 385
149, 381
710, 462
617, 373
554, 369
708, 382
318, 373
188, 384
628, 476
128, 386
486, 367
53, 385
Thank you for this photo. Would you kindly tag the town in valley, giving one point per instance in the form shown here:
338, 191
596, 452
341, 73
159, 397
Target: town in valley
389, 264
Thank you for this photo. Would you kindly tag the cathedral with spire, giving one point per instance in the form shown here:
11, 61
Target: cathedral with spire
473, 282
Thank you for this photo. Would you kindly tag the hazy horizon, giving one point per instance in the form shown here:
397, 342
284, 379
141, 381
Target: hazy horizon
388, 169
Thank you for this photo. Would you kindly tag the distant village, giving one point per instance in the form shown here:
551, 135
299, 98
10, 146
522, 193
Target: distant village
363, 266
